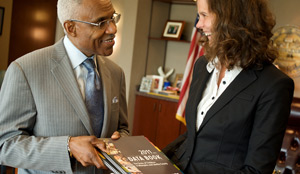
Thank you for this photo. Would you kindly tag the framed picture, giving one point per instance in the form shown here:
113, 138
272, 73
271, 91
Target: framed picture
146, 84
157, 82
173, 30
1, 19
178, 81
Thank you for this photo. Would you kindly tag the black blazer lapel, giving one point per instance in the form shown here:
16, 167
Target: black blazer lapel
200, 78
244, 79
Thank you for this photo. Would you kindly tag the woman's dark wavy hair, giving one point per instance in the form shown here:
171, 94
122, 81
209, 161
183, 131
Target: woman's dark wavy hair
242, 33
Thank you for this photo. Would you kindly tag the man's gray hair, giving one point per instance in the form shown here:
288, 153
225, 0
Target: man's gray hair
67, 9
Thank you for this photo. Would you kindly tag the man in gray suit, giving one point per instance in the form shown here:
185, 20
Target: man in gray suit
45, 125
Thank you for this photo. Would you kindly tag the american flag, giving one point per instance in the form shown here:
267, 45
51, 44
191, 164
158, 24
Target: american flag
194, 53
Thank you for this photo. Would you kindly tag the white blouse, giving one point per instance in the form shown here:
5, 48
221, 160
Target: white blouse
212, 92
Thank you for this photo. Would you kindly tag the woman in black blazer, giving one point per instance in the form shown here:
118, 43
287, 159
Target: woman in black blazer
239, 102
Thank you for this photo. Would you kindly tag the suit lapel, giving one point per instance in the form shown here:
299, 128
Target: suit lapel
106, 84
244, 79
63, 73
196, 90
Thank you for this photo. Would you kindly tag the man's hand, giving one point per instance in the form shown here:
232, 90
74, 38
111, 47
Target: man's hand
116, 135
84, 150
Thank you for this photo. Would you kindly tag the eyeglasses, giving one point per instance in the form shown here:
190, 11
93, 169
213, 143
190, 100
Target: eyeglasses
102, 24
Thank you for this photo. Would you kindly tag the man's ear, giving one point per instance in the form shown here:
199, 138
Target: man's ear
70, 28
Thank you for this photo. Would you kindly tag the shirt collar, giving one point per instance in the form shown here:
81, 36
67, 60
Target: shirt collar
211, 65
75, 55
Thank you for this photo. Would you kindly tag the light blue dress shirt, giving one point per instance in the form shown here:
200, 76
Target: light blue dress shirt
76, 58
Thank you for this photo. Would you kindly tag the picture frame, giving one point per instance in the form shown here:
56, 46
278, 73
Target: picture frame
173, 30
1, 19
157, 82
178, 81
146, 84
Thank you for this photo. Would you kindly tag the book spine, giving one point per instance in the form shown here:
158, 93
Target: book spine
108, 164
122, 169
111, 168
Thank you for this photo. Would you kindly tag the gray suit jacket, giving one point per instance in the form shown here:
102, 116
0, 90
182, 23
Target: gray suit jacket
41, 105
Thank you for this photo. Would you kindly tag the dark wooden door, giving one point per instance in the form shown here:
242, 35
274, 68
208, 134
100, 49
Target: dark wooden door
33, 26
155, 119
145, 117
168, 127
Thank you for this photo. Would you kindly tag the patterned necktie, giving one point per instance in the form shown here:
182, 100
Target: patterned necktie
94, 97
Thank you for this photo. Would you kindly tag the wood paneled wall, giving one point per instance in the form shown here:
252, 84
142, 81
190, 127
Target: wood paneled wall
33, 26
